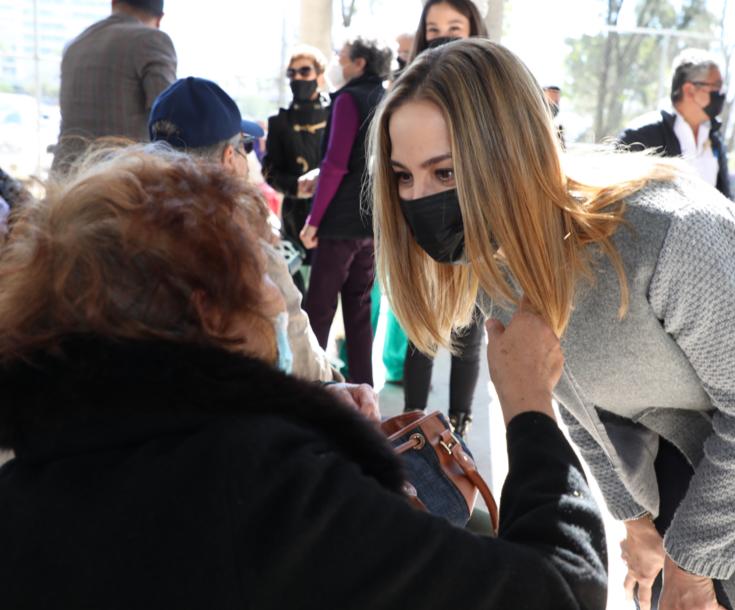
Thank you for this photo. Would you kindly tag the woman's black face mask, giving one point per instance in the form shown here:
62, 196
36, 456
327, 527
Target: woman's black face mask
440, 41
436, 225
303, 89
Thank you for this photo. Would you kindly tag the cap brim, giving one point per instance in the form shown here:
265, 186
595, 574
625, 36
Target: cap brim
252, 129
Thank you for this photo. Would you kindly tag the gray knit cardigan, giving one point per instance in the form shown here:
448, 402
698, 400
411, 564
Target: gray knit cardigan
667, 368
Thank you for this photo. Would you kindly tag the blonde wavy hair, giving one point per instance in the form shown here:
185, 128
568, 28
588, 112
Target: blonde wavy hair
513, 192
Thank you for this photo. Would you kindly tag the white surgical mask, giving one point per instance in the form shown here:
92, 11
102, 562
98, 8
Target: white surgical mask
335, 75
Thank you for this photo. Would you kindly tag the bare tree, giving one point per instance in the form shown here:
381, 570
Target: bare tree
348, 10
616, 76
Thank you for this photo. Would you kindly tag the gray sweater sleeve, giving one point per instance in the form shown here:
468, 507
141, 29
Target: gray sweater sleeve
693, 294
619, 502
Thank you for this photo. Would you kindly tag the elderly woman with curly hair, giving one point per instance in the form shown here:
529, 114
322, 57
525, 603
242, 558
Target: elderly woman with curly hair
162, 460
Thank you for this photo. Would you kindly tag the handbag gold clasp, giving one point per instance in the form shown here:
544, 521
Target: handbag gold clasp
449, 445
419, 440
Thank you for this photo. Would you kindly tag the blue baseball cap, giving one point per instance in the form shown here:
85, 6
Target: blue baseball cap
195, 113
251, 128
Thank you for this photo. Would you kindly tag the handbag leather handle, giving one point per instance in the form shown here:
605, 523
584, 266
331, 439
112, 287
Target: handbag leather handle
397, 426
468, 466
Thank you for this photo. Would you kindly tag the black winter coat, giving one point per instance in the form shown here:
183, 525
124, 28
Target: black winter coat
156, 475
294, 147
294, 144
660, 135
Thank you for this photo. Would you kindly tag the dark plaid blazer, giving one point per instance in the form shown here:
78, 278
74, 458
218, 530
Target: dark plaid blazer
110, 76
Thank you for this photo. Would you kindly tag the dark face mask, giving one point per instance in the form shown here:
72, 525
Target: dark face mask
401, 63
436, 225
442, 40
303, 89
716, 102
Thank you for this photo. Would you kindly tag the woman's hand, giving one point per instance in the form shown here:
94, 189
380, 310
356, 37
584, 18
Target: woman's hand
306, 185
308, 236
685, 591
360, 397
525, 362
643, 553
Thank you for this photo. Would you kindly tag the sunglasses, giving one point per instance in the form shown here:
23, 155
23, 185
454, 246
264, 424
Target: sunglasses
303, 71
248, 143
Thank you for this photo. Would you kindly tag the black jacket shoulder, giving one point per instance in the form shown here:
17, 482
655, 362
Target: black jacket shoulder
151, 474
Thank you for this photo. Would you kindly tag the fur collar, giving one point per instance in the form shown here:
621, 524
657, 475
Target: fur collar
94, 377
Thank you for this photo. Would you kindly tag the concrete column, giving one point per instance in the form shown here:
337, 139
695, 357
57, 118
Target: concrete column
494, 19
316, 24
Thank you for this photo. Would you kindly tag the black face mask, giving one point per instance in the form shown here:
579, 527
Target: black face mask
303, 89
442, 40
436, 225
401, 63
716, 102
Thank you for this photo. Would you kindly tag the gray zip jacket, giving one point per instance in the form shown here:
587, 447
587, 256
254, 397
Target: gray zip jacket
667, 368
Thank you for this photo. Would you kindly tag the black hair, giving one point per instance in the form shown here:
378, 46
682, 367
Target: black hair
151, 7
466, 7
377, 56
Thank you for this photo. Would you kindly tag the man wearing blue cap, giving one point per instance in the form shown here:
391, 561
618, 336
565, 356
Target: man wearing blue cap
195, 115
110, 75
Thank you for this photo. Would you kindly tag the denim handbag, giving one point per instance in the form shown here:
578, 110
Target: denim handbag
438, 466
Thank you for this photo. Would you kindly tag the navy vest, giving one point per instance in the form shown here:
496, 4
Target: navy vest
349, 214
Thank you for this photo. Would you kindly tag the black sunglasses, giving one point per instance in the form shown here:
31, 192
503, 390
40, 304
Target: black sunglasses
248, 143
302, 71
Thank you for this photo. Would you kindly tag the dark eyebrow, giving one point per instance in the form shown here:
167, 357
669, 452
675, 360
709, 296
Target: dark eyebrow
428, 162
451, 22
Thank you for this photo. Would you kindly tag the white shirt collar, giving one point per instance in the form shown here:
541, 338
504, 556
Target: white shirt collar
697, 153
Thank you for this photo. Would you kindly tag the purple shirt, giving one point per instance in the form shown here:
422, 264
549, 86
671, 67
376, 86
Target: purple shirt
334, 166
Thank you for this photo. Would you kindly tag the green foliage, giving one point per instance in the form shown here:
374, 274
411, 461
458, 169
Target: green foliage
614, 77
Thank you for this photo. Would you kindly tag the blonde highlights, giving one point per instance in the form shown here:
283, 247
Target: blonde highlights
513, 193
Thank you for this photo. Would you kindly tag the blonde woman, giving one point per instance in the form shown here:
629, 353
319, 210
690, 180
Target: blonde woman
630, 264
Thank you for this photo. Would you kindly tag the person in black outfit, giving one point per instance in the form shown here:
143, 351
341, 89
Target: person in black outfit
163, 462
339, 225
294, 143
442, 21
697, 99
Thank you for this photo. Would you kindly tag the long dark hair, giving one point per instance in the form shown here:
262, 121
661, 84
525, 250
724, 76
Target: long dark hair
465, 7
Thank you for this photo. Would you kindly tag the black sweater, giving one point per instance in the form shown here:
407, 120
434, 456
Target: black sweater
154, 475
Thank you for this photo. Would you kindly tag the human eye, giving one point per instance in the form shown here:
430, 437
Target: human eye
402, 178
445, 175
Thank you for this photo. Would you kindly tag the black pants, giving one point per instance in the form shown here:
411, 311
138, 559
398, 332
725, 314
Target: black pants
293, 216
673, 473
463, 377
344, 267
